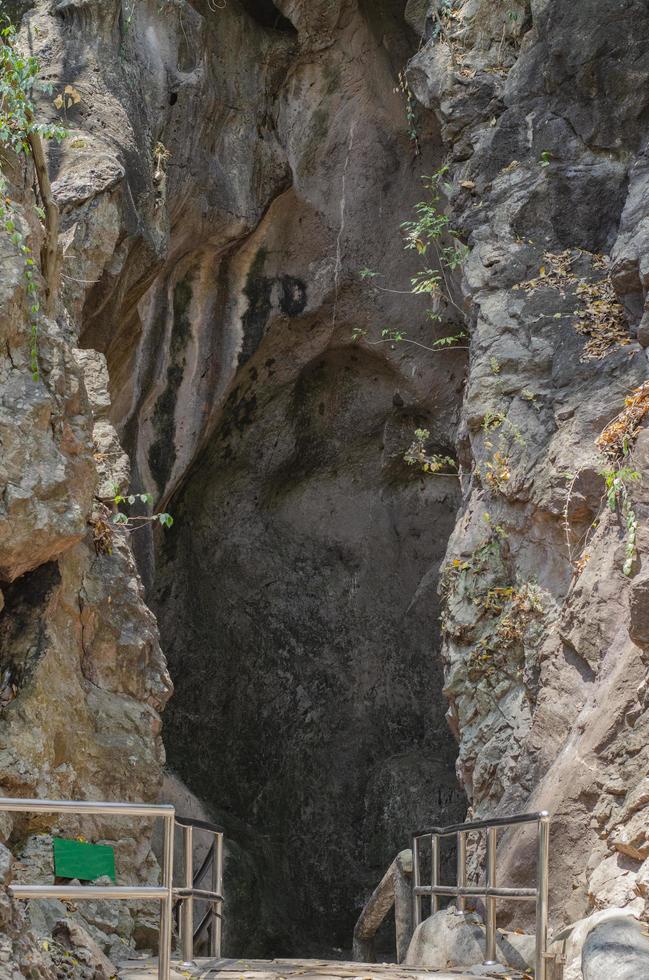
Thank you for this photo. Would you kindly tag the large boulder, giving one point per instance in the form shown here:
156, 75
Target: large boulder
616, 949
451, 939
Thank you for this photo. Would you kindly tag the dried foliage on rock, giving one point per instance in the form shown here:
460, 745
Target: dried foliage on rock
618, 436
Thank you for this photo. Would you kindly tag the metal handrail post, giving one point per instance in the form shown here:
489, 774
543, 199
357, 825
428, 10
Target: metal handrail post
542, 898
416, 881
461, 869
489, 891
217, 886
187, 907
434, 856
166, 905
490, 902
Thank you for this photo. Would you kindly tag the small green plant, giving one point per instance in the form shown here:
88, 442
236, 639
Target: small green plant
494, 364
546, 158
18, 80
497, 529
20, 131
410, 103
417, 455
366, 273
619, 499
426, 235
452, 341
442, 16
530, 398
126, 520
394, 335
398, 336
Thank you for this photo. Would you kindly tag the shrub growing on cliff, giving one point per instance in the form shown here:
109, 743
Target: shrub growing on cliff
129, 521
418, 455
430, 235
21, 132
18, 80
615, 443
618, 498
501, 437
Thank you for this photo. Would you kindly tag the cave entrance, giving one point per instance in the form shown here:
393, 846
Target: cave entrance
297, 598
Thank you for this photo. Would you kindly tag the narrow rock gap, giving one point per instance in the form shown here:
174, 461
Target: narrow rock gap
308, 713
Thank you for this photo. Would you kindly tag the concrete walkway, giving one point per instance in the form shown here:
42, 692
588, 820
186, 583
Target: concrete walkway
304, 970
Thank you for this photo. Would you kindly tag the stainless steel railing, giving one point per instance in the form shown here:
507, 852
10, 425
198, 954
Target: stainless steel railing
166, 894
489, 891
162, 894
212, 921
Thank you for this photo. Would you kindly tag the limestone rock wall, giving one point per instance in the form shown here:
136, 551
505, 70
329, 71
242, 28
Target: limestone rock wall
82, 677
545, 125
228, 173
230, 170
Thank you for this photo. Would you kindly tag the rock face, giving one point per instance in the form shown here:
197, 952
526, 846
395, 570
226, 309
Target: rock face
229, 172
83, 679
213, 256
545, 645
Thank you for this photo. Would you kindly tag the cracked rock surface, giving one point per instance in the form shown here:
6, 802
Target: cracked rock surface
229, 171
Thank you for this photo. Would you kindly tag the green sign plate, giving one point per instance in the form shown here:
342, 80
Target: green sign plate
74, 859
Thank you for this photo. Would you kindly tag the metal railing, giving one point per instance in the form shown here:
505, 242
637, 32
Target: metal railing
212, 921
489, 891
162, 894
166, 894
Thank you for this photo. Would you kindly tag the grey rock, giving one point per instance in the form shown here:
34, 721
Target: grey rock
416, 15
639, 611
6, 864
618, 949
44, 914
73, 936
451, 940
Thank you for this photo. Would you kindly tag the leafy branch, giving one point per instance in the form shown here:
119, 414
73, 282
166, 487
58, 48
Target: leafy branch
133, 522
427, 234
398, 336
434, 463
619, 499
20, 132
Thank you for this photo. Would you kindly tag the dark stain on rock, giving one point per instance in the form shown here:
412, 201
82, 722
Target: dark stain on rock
22, 626
293, 296
237, 416
266, 14
162, 453
257, 291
